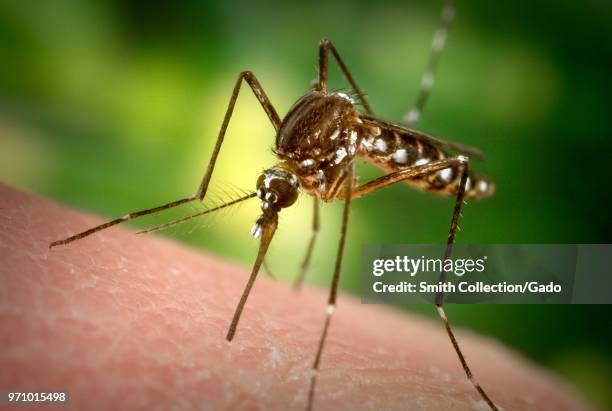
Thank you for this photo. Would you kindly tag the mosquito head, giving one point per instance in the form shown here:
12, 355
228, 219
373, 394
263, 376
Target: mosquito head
277, 188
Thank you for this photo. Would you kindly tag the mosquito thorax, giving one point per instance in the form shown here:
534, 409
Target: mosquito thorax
318, 139
315, 128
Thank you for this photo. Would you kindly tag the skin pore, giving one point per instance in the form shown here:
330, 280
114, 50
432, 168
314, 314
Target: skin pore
122, 322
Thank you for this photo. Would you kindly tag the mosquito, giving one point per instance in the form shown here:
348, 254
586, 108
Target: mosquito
317, 143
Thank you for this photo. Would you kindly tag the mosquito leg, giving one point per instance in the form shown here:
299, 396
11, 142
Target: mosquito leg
427, 81
306, 262
331, 303
324, 47
462, 359
440, 296
272, 115
408, 173
460, 163
265, 103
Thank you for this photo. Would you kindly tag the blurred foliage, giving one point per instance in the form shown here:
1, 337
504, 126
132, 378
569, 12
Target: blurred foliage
113, 106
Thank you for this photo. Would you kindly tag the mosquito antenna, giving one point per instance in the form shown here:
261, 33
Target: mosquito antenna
264, 228
201, 213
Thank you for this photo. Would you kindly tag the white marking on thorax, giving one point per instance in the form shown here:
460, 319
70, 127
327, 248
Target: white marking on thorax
352, 143
346, 97
340, 155
309, 162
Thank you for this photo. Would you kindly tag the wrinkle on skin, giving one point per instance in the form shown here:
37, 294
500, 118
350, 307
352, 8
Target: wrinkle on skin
129, 322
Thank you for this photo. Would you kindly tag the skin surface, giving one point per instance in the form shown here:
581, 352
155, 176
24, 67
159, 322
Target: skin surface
130, 322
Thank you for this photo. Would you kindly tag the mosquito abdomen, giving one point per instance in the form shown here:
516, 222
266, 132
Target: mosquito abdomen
391, 152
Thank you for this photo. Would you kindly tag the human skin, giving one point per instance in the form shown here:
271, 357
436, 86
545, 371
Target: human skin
128, 322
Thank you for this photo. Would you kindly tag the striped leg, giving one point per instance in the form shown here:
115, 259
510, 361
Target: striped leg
459, 163
427, 81
331, 303
325, 47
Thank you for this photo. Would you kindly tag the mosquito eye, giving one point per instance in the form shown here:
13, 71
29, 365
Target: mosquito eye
283, 192
277, 187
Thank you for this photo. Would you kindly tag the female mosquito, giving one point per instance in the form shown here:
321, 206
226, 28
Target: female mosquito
317, 143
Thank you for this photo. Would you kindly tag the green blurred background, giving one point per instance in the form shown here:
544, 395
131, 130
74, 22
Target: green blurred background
113, 106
